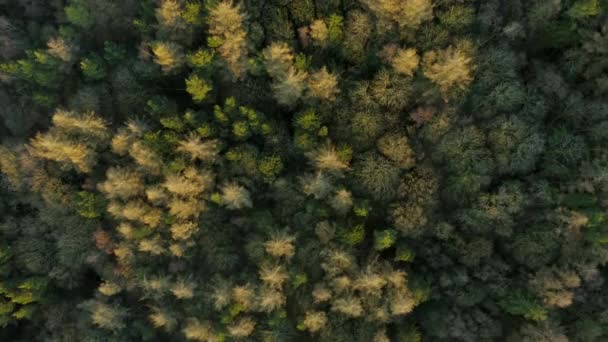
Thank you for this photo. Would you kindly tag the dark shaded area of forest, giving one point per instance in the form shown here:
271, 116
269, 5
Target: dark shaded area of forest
304, 170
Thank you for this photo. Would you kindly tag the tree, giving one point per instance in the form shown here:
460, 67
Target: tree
280, 245
107, 316
335, 28
327, 158
392, 91
289, 82
271, 300
315, 321
450, 69
302, 11
198, 331
318, 185
365, 128
189, 183
198, 87
242, 328
519, 303
323, 85
539, 332
270, 166
405, 61
457, 17
289, 89
146, 158
319, 33
61, 48
467, 159
376, 176
410, 219
356, 35
162, 319
72, 140
170, 16
183, 289
584, 8
93, 68
349, 306
342, 201
408, 13
168, 55
517, 146
384, 239
79, 14
197, 149
183, 231
235, 196
228, 35
122, 183
277, 58
88, 125
55, 148
396, 148
273, 276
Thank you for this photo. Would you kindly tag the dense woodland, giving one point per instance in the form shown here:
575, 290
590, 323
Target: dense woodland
304, 170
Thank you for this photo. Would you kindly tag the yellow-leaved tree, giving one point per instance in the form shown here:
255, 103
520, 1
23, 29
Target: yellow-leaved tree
450, 69
406, 13
72, 141
229, 36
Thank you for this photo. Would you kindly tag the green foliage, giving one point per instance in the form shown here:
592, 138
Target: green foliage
277, 24
559, 34
193, 13
201, 59
299, 279
361, 209
409, 333
404, 253
376, 176
584, 8
78, 14
198, 87
308, 121
384, 239
335, 27
270, 166
535, 247
19, 300
93, 68
302, 11
352, 236
564, 150
579, 200
160, 105
173, 122
114, 53
90, 205
302, 62
457, 17
522, 304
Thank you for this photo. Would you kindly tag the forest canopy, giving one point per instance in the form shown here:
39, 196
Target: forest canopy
304, 170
